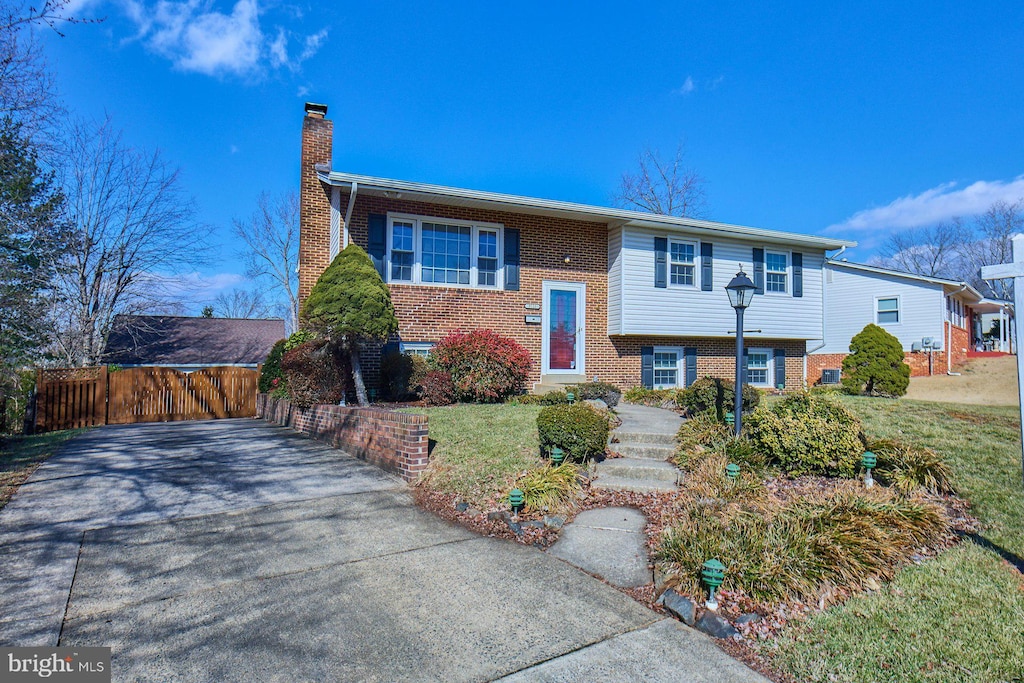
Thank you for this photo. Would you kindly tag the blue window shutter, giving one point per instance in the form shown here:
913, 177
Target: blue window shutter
759, 271
706, 272
661, 262
780, 368
690, 363
647, 366
512, 259
798, 274
377, 241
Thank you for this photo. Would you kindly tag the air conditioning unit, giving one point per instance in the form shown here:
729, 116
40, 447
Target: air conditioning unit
916, 347
831, 376
936, 345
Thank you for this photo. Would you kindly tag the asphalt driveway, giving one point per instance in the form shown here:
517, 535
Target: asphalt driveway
234, 550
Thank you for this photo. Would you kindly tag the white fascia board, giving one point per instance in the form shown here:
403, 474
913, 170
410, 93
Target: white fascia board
494, 200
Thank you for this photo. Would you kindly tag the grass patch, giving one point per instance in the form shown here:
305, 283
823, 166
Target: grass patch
21, 455
956, 618
479, 451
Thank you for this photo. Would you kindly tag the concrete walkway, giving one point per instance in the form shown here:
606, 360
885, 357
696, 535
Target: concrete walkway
646, 440
238, 551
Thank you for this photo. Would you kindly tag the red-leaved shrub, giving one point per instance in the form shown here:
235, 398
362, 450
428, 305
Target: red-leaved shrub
315, 373
485, 367
437, 388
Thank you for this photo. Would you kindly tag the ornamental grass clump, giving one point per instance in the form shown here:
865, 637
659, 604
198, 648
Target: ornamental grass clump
551, 488
777, 550
907, 468
807, 433
698, 435
651, 397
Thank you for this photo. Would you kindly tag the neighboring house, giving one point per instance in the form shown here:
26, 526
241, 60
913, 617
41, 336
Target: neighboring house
627, 297
190, 343
913, 308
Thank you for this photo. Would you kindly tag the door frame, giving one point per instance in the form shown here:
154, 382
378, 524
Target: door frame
581, 325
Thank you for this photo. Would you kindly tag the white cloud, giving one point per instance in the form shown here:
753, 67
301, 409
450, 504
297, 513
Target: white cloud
932, 206
687, 87
199, 38
194, 288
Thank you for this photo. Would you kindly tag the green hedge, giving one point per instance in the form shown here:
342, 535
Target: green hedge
579, 430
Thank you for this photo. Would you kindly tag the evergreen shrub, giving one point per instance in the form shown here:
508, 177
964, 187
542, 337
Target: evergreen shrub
875, 365
437, 388
717, 396
579, 430
484, 366
315, 373
271, 369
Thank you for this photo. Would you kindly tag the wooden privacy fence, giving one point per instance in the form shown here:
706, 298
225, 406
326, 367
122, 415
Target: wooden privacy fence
84, 397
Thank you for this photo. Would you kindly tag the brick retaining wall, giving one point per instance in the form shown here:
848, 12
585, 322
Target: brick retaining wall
395, 442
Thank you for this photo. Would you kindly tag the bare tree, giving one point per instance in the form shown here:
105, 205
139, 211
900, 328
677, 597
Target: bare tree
271, 237
666, 187
934, 251
133, 230
241, 303
995, 229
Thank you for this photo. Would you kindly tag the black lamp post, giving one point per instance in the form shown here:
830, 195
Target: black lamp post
740, 290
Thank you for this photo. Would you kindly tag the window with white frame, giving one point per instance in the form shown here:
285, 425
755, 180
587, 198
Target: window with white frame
888, 310
682, 270
759, 367
666, 368
444, 252
776, 269
416, 348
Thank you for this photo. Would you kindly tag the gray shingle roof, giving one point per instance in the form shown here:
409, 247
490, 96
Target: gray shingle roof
173, 340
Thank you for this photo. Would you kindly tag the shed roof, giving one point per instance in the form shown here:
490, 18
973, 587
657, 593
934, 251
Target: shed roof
177, 340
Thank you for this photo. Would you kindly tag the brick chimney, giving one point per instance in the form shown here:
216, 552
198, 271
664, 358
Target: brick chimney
314, 198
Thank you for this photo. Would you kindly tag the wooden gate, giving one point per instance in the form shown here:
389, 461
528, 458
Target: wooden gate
93, 396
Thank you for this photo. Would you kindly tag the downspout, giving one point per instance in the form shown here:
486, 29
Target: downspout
949, 335
353, 190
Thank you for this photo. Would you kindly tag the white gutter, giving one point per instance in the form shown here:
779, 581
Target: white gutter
348, 211
949, 335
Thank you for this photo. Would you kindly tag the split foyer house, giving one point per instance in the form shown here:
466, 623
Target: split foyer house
591, 292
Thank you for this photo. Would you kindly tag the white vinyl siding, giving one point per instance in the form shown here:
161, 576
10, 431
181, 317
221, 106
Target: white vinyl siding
615, 281
440, 251
853, 298
691, 312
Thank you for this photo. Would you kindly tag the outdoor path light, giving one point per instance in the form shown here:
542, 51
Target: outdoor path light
571, 397
517, 500
869, 461
557, 456
713, 574
732, 472
741, 291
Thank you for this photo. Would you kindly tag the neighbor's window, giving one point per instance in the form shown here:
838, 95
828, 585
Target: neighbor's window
444, 252
681, 267
888, 310
776, 267
666, 369
758, 366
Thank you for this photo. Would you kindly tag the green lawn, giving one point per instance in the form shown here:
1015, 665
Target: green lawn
958, 617
21, 455
479, 450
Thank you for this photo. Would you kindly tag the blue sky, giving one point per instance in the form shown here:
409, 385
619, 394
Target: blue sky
850, 122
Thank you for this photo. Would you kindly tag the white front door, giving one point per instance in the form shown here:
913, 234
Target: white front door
563, 320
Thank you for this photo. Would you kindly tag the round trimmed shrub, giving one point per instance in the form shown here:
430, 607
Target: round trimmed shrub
577, 429
808, 434
718, 396
484, 366
876, 364
437, 388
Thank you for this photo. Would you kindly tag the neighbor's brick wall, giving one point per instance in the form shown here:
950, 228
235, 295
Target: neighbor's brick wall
918, 362
395, 442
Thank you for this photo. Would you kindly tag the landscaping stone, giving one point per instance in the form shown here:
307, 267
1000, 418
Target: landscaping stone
462, 507
715, 625
598, 403
682, 608
473, 512
495, 515
554, 521
748, 618
535, 523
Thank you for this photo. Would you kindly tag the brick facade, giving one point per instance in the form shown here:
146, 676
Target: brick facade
394, 442
918, 362
551, 249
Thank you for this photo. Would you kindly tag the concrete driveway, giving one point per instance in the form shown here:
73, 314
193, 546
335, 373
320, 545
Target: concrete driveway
238, 551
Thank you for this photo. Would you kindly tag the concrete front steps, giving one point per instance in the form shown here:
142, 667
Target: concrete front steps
646, 440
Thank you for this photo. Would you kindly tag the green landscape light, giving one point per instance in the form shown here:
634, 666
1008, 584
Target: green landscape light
730, 418
557, 456
571, 396
869, 461
732, 472
713, 575
517, 500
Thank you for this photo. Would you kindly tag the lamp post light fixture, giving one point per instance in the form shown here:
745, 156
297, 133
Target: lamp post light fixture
517, 500
557, 456
713, 574
869, 461
741, 291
